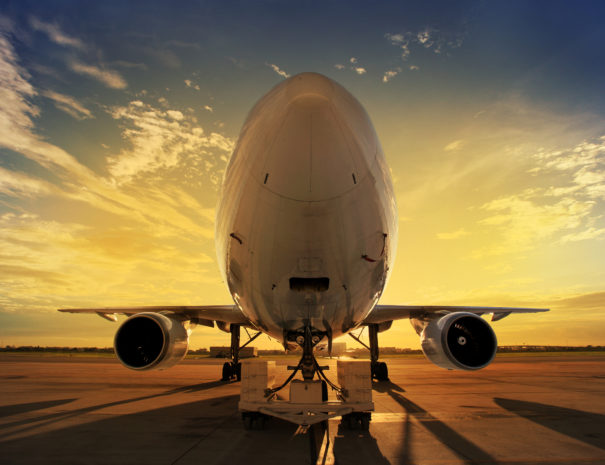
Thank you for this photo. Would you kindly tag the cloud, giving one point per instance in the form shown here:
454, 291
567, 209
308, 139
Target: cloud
395, 39
279, 71
427, 38
68, 104
390, 74
108, 77
16, 110
453, 235
144, 204
129, 65
454, 146
588, 234
209, 108
145, 241
55, 34
424, 38
405, 52
354, 66
524, 221
414, 68
191, 84
159, 139
15, 184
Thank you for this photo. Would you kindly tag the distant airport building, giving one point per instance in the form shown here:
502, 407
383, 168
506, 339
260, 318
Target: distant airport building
225, 352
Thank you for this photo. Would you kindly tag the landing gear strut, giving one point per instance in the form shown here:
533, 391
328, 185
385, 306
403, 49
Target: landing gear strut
380, 371
233, 369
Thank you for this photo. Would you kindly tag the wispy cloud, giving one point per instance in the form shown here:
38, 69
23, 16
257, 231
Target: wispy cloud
143, 203
278, 70
110, 78
454, 145
353, 66
193, 85
208, 108
15, 184
567, 211
588, 234
524, 222
129, 65
390, 74
427, 38
69, 105
396, 39
453, 235
159, 139
54, 33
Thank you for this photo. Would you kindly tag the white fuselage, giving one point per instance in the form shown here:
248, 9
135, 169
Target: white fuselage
307, 195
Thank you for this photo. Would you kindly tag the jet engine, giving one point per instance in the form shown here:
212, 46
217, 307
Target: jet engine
460, 340
149, 341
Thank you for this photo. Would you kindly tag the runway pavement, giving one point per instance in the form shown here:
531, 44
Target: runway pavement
520, 410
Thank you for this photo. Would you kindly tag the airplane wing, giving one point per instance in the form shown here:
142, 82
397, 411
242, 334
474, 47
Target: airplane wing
384, 313
201, 314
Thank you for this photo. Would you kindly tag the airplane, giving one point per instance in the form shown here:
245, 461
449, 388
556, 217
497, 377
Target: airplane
306, 235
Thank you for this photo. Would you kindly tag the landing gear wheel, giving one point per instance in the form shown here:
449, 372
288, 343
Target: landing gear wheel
227, 371
364, 422
238, 371
253, 420
357, 420
380, 371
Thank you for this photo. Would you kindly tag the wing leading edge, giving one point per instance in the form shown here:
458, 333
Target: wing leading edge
202, 314
385, 313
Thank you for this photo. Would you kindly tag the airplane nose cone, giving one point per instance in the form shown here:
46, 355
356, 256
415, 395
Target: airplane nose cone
318, 141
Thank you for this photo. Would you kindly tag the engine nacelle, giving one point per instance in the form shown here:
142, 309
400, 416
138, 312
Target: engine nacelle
149, 341
460, 340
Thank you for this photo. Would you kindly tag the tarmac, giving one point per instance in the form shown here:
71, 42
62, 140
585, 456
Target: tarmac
520, 410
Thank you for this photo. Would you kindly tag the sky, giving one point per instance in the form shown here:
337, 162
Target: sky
117, 120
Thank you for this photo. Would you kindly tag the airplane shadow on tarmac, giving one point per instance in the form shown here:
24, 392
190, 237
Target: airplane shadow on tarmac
16, 409
203, 431
66, 414
583, 426
468, 452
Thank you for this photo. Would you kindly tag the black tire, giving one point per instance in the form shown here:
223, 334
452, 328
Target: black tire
238, 371
227, 371
364, 422
383, 371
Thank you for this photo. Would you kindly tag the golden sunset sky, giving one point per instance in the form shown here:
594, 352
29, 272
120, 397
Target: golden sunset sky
117, 121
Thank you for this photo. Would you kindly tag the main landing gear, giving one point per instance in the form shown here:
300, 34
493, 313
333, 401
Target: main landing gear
380, 371
233, 370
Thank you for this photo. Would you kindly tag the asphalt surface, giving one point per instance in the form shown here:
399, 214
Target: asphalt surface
519, 410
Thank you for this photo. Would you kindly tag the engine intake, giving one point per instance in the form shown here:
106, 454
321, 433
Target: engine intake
147, 341
460, 340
